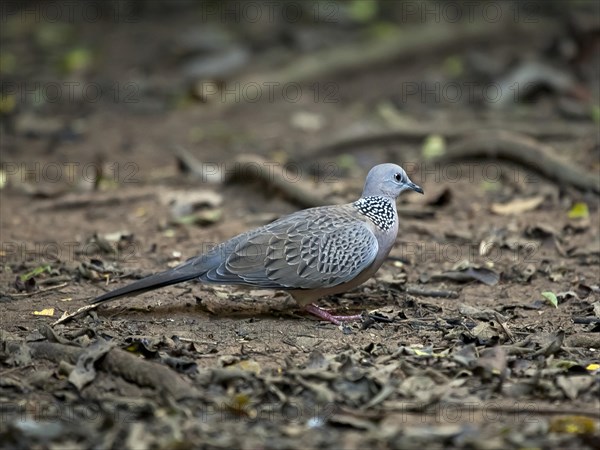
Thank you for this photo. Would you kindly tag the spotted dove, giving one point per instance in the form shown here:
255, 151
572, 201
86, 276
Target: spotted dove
310, 253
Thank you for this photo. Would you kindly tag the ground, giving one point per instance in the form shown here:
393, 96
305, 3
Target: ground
481, 330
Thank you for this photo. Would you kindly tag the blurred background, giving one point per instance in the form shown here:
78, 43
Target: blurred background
265, 107
128, 81
136, 134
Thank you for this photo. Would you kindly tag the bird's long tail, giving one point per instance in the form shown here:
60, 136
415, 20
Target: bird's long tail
185, 272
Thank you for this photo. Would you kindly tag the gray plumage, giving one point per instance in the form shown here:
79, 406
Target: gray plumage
310, 253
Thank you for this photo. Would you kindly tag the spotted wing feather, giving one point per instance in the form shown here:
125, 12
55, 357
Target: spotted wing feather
311, 249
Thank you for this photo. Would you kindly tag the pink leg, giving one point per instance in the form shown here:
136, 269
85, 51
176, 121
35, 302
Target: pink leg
336, 320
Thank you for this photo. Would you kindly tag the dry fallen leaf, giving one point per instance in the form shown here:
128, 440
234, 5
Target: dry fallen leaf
492, 361
307, 121
464, 272
517, 206
44, 312
184, 203
248, 365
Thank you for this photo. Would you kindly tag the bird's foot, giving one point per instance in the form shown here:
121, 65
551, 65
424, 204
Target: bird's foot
324, 315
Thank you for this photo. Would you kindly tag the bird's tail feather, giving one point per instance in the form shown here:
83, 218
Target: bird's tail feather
162, 279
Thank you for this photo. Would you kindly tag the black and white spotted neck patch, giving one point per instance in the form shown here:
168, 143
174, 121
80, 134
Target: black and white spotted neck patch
379, 209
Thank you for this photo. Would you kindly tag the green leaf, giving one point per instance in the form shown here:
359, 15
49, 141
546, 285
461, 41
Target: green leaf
596, 113
551, 297
7, 103
453, 66
35, 272
434, 146
76, 60
579, 211
362, 10
346, 161
490, 186
8, 62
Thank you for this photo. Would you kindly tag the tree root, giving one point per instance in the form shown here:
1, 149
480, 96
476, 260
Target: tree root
416, 133
404, 42
123, 364
494, 144
249, 168
525, 151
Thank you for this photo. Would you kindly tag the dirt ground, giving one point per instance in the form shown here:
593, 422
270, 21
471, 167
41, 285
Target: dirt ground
461, 345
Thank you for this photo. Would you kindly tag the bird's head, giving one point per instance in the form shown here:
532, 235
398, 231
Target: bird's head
388, 180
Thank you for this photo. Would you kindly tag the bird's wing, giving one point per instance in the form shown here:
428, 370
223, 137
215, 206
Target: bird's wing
311, 249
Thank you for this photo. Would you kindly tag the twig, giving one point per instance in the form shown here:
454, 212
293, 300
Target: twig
431, 292
586, 320
520, 408
544, 411
56, 279
14, 369
40, 291
508, 333
95, 199
68, 316
189, 164
420, 213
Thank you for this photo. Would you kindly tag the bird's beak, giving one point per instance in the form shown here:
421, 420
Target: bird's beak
415, 188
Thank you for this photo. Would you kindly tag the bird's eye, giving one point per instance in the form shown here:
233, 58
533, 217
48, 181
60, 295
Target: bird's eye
398, 177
